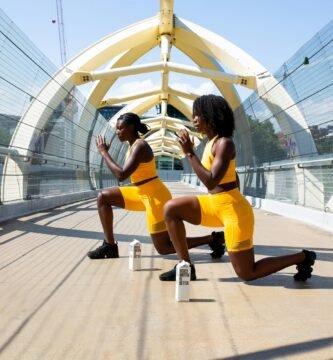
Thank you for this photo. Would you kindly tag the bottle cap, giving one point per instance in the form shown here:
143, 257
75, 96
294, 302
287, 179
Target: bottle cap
135, 242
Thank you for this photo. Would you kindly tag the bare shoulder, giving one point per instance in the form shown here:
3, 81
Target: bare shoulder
142, 149
140, 145
225, 142
224, 146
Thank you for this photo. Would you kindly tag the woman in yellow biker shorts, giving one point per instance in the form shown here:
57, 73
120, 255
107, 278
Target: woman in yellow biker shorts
147, 193
224, 205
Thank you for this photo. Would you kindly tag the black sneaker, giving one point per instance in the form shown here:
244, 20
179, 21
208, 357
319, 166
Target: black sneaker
217, 245
171, 274
305, 268
105, 251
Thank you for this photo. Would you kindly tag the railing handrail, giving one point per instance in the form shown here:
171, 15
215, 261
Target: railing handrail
286, 164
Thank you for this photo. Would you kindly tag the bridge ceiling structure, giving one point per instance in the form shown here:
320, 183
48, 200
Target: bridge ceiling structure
166, 31
210, 52
115, 57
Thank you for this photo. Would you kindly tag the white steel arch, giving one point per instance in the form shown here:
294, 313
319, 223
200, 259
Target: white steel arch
51, 95
117, 53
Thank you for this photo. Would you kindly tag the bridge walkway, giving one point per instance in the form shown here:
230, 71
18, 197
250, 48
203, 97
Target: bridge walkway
56, 303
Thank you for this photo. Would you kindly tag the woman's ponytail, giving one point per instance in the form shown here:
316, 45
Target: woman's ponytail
131, 118
142, 128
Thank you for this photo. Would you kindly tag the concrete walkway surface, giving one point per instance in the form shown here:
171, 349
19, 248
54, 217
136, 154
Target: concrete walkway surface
55, 303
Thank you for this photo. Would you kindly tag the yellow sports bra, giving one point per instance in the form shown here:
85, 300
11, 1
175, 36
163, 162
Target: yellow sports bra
145, 170
208, 157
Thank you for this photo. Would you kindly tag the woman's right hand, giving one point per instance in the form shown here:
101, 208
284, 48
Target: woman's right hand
101, 144
185, 142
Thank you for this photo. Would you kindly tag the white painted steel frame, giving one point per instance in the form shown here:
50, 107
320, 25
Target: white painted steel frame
118, 52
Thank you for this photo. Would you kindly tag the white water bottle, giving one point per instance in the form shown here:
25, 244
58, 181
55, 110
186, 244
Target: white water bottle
134, 255
183, 276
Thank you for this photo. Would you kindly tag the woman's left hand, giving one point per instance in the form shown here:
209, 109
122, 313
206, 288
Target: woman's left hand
101, 144
186, 143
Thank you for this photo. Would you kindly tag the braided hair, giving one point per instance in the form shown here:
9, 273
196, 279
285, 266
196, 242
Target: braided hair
134, 119
216, 112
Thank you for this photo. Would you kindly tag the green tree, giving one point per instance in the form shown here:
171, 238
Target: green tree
265, 142
325, 145
4, 137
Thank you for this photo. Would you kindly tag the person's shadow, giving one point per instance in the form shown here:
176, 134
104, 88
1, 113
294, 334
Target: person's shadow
286, 281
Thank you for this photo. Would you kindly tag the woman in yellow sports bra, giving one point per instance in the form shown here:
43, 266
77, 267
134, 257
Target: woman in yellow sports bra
148, 193
223, 206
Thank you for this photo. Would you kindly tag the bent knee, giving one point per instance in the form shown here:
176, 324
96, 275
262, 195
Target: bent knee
163, 250
169, 209
100, 196
105, 197
245, 276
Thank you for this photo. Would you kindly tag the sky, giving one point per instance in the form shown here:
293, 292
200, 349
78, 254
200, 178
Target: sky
270, 31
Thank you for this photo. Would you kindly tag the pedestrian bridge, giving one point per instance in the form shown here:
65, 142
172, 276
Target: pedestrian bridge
50, 117
55, 302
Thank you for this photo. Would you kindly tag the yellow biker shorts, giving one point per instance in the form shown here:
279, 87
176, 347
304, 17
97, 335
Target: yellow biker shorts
231, 210
149, 197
